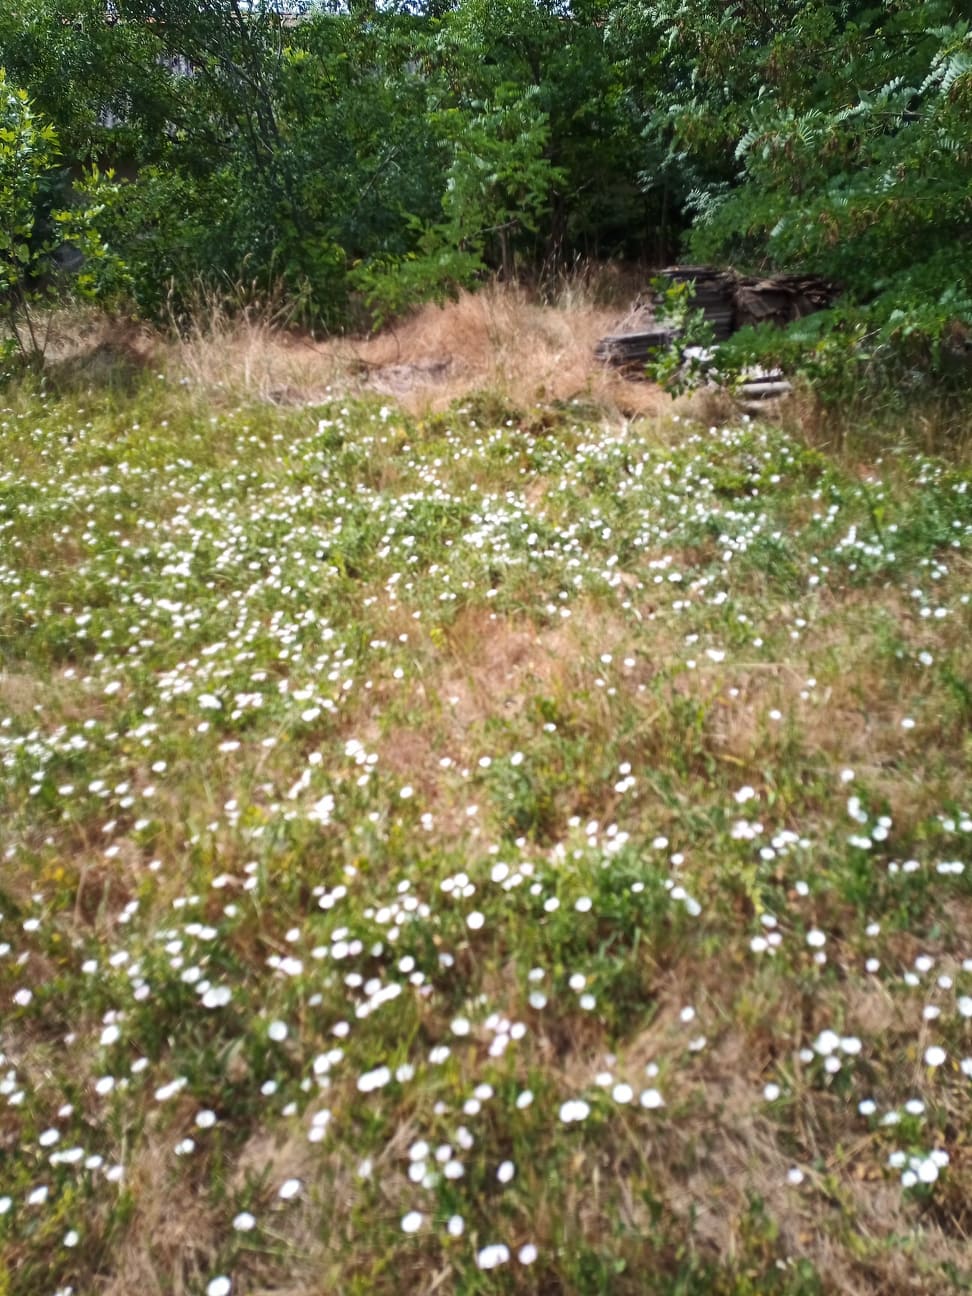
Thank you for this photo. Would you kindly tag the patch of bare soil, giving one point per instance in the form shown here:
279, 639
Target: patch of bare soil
403, 379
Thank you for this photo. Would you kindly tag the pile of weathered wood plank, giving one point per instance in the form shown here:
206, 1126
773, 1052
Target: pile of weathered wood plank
713, 293
728, 301
631, 346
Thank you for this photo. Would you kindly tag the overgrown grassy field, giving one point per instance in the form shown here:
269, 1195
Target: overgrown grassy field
497, 853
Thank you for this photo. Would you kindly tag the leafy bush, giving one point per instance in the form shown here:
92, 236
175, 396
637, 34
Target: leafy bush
685, 364
392, 155
861, 177
35, 232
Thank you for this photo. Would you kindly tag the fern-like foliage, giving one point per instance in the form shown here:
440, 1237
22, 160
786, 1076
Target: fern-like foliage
845, 139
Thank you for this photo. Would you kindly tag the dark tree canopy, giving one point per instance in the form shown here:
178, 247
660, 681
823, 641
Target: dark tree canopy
383, 153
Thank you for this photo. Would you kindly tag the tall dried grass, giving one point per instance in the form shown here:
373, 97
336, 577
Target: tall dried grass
505, 339
524, 345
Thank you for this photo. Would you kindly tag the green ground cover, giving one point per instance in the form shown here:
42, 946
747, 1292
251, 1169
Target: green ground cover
492, 853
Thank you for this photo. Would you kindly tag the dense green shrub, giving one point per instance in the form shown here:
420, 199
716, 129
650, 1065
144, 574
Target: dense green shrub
849, 129
40, 219
390, 155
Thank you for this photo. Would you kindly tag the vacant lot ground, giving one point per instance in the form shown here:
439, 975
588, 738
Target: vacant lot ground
487, 853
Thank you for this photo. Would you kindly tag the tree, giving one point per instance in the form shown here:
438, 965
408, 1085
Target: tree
83, 69
834, 139
34, 231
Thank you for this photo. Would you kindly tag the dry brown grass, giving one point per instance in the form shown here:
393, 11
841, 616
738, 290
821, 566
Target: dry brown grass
501, 339
524, 347
165, 1251
89, 350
